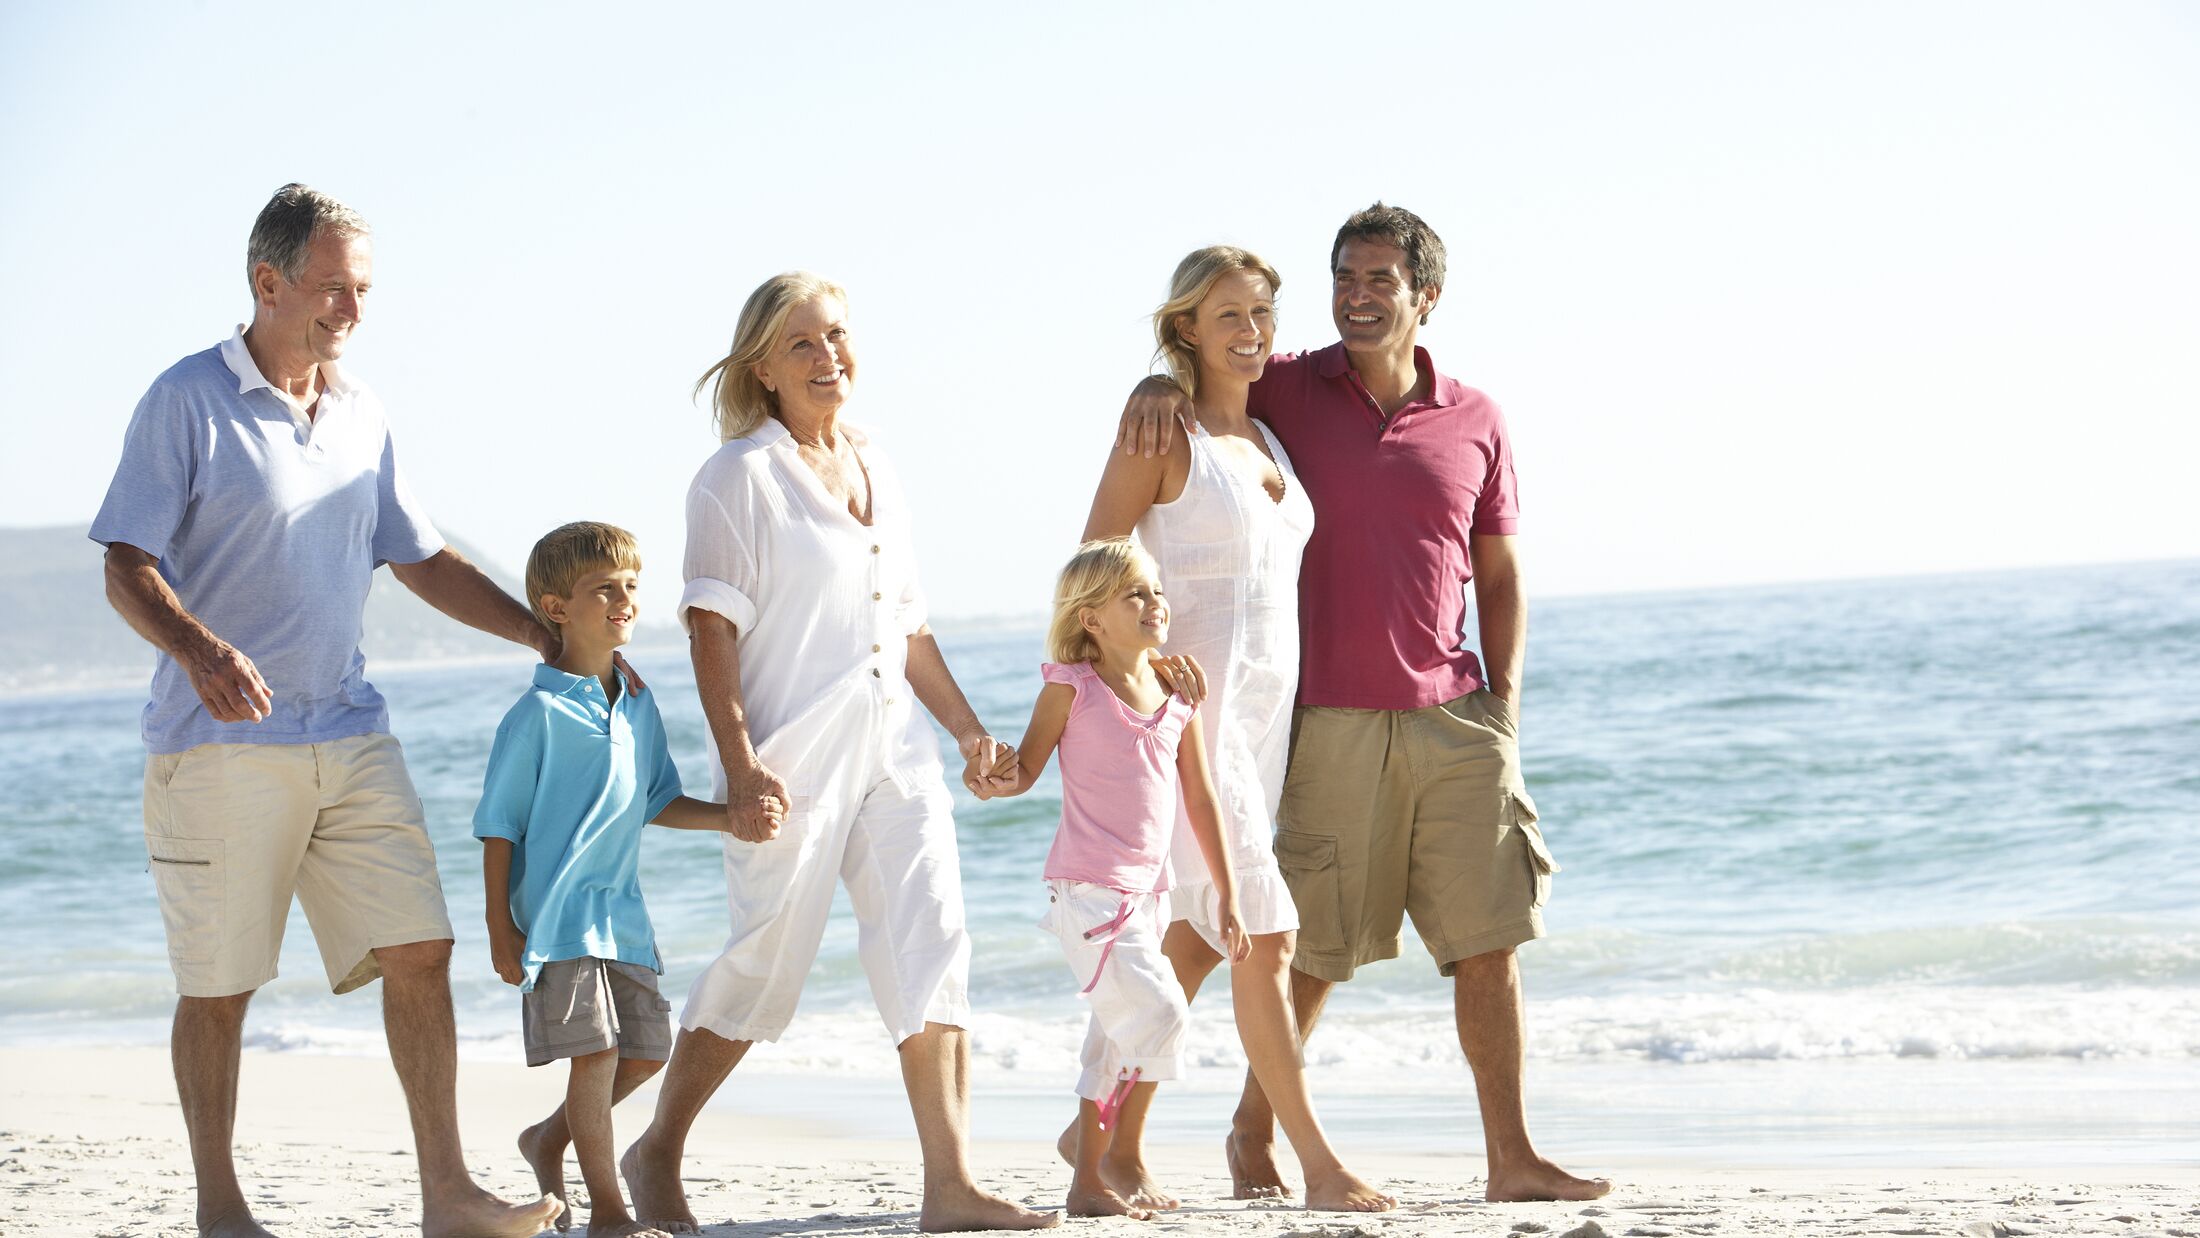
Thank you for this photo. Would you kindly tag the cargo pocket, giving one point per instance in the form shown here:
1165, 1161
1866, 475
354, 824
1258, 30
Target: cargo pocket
1540, 863
187, 874
1309, 864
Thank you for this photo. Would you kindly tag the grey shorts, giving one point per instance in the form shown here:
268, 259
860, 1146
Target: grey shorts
584, 1006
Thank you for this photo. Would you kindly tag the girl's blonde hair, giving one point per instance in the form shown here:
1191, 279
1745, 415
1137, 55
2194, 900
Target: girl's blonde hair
1195, 277
1095, 574
739, 400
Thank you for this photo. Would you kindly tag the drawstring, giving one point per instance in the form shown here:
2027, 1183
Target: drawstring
1114, 929
1113, 1105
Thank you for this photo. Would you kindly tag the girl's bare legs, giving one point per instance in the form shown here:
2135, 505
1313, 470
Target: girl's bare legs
1260, 991
1122, 1152
1089, 1193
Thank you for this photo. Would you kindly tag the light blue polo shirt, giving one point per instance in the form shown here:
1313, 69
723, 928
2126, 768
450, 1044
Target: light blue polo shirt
268, 525
572, 779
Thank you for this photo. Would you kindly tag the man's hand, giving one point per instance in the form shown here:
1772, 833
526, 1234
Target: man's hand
1150, 416
506, 944
228, 684
756, 803
1182, 675
989, 766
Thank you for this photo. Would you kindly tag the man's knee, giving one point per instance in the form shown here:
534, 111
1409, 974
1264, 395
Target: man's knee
1488, 967
227, 1011
414, 959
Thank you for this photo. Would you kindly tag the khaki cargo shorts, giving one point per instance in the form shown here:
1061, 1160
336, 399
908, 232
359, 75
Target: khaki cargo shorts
584, 1006
232, 831
1393, 812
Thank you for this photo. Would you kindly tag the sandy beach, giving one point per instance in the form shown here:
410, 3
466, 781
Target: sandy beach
91, 1144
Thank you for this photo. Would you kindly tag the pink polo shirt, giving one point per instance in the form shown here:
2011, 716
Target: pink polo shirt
1383, 585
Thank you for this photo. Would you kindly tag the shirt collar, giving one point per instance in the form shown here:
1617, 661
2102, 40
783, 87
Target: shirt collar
1444, 392
550, 679
239, 360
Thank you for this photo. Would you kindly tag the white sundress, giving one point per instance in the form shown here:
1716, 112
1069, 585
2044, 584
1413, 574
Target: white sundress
1229, 559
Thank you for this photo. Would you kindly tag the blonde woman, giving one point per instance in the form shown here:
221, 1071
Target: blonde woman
811, 655
1226, 521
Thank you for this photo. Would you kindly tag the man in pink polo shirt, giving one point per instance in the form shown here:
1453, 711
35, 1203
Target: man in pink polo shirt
1404, 794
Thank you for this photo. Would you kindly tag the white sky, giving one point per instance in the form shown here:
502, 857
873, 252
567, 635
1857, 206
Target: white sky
1768, 291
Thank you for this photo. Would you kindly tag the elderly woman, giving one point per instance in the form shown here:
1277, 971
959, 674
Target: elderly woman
811, 654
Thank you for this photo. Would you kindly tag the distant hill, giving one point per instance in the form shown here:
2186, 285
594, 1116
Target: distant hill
82, 643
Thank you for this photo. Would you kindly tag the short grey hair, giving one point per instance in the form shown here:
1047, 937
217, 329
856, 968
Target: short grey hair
289, 222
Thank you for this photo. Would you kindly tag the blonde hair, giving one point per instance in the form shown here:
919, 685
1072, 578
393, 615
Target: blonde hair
739, 400
1195, 277
571, 551
1096, 573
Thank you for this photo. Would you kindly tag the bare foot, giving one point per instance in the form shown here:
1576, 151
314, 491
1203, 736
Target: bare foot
1540, 1180
1253, 1172
1103, 1202
478, 1214
624, 1229
654, 1186
236, 1224
1134, 1184
549, 1165
967, 1207
1342, 1191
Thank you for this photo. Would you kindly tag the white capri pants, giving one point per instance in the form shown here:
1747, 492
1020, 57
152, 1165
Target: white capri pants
868, 808
1138, 1011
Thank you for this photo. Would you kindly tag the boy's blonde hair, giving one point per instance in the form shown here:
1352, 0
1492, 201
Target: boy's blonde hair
571, 551
1096, 573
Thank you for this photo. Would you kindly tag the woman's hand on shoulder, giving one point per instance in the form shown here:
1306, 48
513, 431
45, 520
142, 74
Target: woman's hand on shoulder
1181, 674
756, 803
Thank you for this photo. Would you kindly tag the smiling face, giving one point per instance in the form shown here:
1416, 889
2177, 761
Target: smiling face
811, 367
1233, 328
1135, 618
315, 316
599, 614
1373, 299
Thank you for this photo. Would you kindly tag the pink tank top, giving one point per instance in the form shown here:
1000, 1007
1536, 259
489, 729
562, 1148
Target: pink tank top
1119, 790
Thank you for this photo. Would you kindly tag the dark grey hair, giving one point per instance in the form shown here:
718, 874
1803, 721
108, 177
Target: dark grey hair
289, 222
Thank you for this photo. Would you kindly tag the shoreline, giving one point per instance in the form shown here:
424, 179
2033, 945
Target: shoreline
92, 1144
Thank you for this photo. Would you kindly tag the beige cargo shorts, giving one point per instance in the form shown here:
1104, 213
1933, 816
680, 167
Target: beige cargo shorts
1387, 813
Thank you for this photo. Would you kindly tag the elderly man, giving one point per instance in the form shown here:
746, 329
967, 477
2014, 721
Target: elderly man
257, 493
1403, 794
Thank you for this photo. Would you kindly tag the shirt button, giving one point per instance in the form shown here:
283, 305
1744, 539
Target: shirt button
876, 596
874, 672
874, 649
874, 550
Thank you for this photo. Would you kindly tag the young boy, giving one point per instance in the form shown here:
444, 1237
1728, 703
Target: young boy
578, 766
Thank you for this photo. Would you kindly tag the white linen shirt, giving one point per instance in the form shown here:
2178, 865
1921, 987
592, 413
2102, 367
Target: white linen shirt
816, 596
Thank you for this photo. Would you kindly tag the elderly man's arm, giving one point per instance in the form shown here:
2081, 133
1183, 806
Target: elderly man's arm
448, 581
227, 683
1501, 611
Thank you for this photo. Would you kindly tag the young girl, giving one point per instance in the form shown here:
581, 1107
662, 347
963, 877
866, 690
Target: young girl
1127, 746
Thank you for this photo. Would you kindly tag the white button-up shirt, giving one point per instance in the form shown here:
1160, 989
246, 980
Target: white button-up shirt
816, 596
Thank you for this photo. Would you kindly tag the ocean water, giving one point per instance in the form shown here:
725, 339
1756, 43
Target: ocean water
1827, 850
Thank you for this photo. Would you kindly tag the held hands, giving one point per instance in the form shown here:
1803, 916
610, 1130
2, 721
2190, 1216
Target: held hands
1150, 417
990, 767
1235, 943
228, 684
1182, 675
506, 944
756, 804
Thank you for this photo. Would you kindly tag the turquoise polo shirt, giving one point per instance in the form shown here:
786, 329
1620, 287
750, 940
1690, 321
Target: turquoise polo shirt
572, 779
